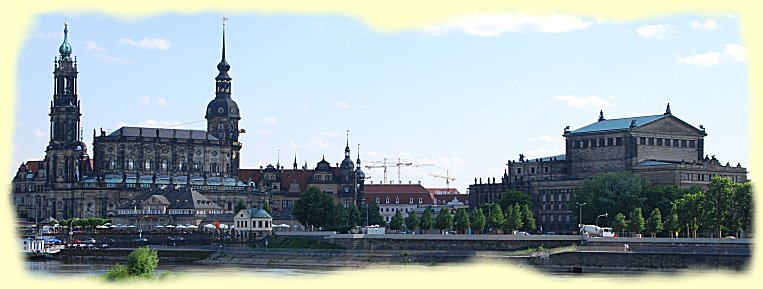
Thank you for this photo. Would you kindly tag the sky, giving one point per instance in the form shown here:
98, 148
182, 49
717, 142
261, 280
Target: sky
459, 97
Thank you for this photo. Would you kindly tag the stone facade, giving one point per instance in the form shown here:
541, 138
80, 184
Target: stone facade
129, 161
661, 149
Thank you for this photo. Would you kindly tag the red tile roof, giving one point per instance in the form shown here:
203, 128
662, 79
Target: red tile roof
402, 188
403, 192
33, 166
444, 191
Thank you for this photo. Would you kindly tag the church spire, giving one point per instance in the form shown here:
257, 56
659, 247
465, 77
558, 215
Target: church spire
223, 79
347, 146
65, 49
667, 110
358, 161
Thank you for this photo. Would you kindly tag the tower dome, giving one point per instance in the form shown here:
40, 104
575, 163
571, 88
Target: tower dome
65, 49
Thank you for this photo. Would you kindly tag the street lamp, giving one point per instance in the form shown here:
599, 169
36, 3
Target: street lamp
489, 206
597, 218
140, 229
580, 212
70, 229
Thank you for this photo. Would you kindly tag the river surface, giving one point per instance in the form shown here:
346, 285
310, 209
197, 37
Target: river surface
84, 269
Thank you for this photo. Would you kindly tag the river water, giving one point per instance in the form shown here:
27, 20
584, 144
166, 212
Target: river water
84, 269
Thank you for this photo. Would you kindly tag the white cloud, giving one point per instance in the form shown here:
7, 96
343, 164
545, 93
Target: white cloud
148, 44
147, 100
590, 100
544, 138
315, 144
92, 46
707, 25
331, 134
49, 35
113, 59
732, 53
342, 105
268, 120
544, 152
155, 123
38, 133
492, 24
263, 132
656, 31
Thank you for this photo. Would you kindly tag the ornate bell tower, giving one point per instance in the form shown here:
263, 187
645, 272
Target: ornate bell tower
64, 154
223, 116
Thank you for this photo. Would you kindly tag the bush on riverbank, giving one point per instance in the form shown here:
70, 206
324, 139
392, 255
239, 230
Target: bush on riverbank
141, 264
300, 243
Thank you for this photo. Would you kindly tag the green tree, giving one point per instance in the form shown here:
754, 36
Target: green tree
412, 222
353, 215
511, 197
672, 224
141, 263
427, 222
397, 221
240, 205
371, 210
718, 203
528, 218
741, 209
266, 207
478, 220
654, 222
461, 222
637, 223
610, 193
516, 218
315, 208
495, 219
691, 209
620, 224
444, 219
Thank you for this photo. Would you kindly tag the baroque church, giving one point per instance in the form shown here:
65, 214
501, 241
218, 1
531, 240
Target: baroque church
130, 161
661, 149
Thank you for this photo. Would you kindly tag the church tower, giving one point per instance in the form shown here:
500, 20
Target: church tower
66, 153
223, 116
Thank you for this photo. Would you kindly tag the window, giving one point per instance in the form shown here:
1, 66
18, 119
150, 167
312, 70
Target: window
601, 142
164, 165
386, 200
519, 171
377, 200
675, 143
585, 144
397, 200
532, 170
683, 143
651, 141
610, 141
692, 144
642, 140
576, 144
659, 142
593, 143
147, 166
545, 169
410, 200
619, 141
421, 200
130, 164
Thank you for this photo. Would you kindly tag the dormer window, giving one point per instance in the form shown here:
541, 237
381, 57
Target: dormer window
397, 200
387, 200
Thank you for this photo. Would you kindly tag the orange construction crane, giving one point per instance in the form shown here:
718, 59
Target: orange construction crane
447, 178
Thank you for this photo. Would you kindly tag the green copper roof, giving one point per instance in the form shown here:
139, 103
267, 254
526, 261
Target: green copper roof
617, 124
65, 49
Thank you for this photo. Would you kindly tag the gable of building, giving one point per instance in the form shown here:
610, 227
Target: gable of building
670, 125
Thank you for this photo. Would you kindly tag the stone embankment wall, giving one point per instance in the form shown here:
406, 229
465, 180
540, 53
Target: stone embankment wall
121, 255
581, 262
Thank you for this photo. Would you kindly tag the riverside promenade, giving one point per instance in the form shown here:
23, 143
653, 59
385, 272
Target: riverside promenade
573, 254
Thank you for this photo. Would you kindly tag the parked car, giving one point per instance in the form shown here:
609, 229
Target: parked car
174, 239
89, 241
522, 233
140, 240
104, 246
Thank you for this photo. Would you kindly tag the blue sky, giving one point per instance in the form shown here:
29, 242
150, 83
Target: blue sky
465, 94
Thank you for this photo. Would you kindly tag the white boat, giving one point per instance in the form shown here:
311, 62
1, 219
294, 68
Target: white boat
39, 249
